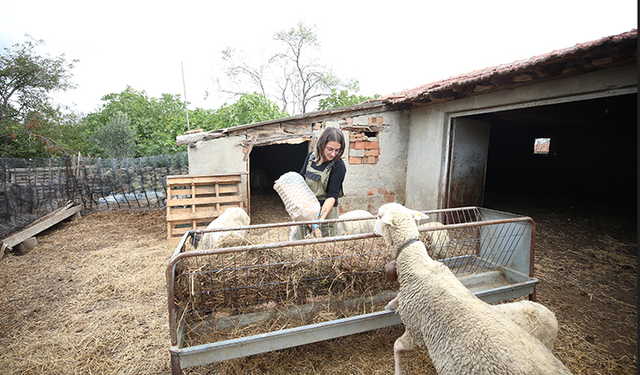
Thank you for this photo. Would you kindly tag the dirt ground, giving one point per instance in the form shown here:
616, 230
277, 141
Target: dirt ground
91, 298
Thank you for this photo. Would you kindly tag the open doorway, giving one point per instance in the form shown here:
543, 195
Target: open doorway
267, 164
581, 153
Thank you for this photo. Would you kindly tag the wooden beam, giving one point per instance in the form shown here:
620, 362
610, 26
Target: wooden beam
40, 225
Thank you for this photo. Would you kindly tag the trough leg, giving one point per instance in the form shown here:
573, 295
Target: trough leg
175, 364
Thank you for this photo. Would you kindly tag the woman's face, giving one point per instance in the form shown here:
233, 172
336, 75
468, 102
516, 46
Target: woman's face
331, 150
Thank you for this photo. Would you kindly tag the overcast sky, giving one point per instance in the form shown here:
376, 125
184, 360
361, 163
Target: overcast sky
387, 46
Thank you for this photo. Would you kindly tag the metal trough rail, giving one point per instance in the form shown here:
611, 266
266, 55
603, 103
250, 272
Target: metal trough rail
499, 267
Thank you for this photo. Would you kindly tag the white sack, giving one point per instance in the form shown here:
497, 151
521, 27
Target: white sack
299, 201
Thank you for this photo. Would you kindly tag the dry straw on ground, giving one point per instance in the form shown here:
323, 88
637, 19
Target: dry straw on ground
91, 299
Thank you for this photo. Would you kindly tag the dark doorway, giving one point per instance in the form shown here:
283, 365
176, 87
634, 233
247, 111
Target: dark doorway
580, 153
267, 164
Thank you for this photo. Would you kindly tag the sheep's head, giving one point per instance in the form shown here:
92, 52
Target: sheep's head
397, 224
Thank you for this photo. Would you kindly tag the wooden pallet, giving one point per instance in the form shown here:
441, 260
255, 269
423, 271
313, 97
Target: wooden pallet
193, 201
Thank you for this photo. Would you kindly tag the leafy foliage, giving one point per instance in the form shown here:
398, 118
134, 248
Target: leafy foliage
155, 121
29, 125
116, 138
249, 109
342, 98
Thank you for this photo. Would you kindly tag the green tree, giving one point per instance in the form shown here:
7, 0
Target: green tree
29, 125
291, 76
156, 122
342, 98
249, 109
116, 138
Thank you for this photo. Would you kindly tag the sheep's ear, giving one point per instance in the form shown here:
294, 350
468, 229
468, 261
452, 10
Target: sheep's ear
380, 222
387, 220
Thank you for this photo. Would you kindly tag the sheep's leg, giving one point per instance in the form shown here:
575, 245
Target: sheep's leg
392, 305
403, 343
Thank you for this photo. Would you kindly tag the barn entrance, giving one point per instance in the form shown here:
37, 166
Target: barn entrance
266, 165
582, 152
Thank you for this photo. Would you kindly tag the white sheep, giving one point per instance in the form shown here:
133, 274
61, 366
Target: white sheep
437, 241
463, 334
533, 318
355, 226
230, 218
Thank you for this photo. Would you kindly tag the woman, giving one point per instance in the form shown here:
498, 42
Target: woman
324, 171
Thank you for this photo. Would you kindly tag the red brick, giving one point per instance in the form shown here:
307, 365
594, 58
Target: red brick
349, 120
378, 191
390, 198
360, 145
370, 160
379, 120
354, 160
370, 145
372, 152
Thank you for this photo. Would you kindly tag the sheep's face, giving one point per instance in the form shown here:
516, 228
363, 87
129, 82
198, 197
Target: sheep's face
397, 224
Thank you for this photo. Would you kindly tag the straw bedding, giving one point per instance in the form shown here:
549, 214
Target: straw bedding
91, 298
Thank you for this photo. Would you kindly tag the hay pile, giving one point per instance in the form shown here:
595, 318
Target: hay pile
91, 298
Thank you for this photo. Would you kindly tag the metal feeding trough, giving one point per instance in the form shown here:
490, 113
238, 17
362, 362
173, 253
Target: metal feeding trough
257, 290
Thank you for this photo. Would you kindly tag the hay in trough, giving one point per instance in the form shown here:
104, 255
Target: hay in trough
284, 286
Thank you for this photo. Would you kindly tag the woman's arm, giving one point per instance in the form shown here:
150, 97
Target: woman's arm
326, 207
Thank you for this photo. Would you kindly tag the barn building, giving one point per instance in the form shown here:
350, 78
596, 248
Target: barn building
562, 125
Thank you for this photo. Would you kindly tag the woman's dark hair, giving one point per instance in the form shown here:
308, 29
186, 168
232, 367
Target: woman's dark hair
329, 134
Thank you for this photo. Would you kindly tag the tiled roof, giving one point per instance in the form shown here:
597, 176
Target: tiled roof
595, 55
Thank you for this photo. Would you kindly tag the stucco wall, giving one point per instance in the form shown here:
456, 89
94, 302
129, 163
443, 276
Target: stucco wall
220, 156
428, 146
368, 186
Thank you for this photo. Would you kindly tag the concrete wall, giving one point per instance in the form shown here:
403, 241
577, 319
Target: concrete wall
428, 145
220, 156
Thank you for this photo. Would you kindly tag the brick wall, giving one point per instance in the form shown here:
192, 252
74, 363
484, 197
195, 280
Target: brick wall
364, 148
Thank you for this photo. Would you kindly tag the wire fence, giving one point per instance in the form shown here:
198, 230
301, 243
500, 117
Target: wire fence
32, 188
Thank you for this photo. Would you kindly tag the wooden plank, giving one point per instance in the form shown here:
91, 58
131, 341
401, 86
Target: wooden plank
265, 129
198, 224
298, 129
199, 214
45, 223
222, 189
200, 201
209, 189
189, 180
